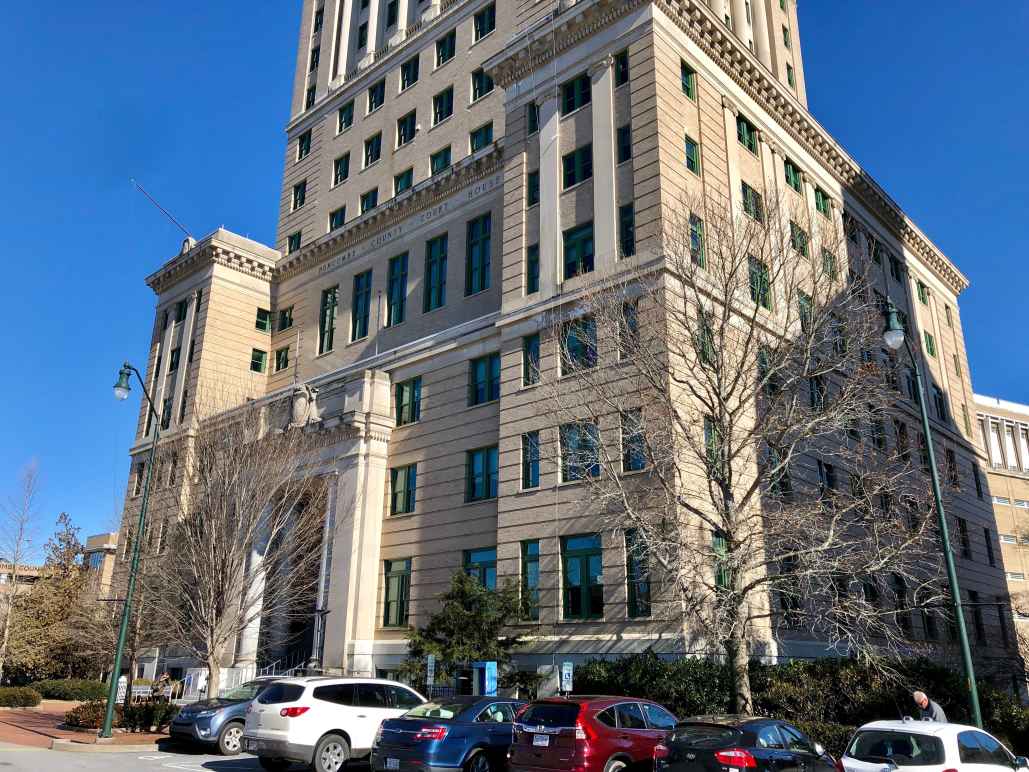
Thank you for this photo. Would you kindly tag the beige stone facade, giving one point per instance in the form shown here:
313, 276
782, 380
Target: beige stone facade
99, 555
353, 311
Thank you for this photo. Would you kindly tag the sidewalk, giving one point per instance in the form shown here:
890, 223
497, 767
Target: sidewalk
39, 728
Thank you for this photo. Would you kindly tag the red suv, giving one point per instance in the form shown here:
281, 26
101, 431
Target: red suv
587, 734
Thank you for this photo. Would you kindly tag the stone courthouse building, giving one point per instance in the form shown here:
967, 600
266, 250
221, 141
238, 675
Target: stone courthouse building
454, 171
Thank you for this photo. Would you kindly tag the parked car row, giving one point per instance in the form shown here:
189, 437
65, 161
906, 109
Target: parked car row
324, 722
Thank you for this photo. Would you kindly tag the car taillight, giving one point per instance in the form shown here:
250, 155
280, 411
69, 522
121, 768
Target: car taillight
950, 770
294, 711
580, 731
736, 757
431, 733
378, 735
839, 766
660, 753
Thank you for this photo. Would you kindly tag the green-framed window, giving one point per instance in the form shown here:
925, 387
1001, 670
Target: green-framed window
337, 218
930, 344
435, 273
923, 293
482, 84
829, 265
396, 290
369, 200
440, 160
577, 166
580, 451
786, 41
299, 194
822, 202
532, 188
637, 575
714, 449
409, 72
692, 154
397, 592
409, 401
753, 205
442, 105
791, 76
805, 311
477, 261
281, 358
446, 48
327, 318
575, 93
264, 320
793, 175
304, 145
484, 379
285, 318
582, 563
481, 137
345, 117
689, 80
481, 474
627, 230
531, 359
746, 133
621, 68
341, 169
697, 251
180, 311
634, 448
720, 551
376, 95
362, 35
485, 21
531, 580
258, 360
403, 181
293, 242
406, 128
532, 118
760, 282
706, 350
392, 13
362, 303
578, 250
578, 344
623, 143
629, 329
532, 269
372, 149
798, 238
481, 564
530, 460
403, 484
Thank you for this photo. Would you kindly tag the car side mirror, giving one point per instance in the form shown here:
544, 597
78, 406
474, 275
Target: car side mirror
819, 749
1021, 762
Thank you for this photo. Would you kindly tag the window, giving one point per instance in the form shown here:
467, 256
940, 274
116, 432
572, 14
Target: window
791, 77
697, 252
137, 482
481, 565
930, 344
369, 200
481, 137
531, 580
532, 188
258, 361
720, 551
746, 133
949, 316
692, 154
760, 285
361, 305
299, 194
176, 354
798, 238
964, 538
362, 35
481, 474
319, 18
634, 455
793, 175
623, 142
627, 230
180, 311
582, 563
923, 293
396, 290
621, 68
580, 451
482, 84
628, 329
578, 250
403, 481
752, 203
281, 358
182, 406
988, 539
805, 311
309, 98
577, 166
406, 128
442, 105
373, 149
977, 615
829, 264
409, 73
951, 463
530, 460
689, 80
637, 575
978, 480
477, 260
484, 379
575, 94
166, 409
337, 218
532, 269
345, 117
304, 145
402, 181
392, 13
397, 592
440, 160
532, 118
376, 95
822, 202
786, 36
263, 323
409, 401
285, 318
435, 273
341, 169
446, 47
531, 359
940, 403
316, 57
578, 344
485, 21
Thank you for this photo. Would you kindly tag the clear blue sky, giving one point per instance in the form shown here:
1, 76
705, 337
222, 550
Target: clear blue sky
191, 98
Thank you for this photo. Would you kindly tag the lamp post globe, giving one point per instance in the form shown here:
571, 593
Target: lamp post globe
893, 335
122, 387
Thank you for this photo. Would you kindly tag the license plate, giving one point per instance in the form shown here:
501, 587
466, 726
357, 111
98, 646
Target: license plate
541, 740
251, 745
392, 763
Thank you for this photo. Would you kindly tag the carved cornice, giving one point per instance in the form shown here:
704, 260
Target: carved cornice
203, 255
548, 41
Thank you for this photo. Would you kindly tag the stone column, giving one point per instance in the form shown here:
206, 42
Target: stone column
324, 573
249, 639
551, 273
762, 33
403, 14
374, 8
157, 388
605, 215
729, 111
740, 25
344, 33
184, 343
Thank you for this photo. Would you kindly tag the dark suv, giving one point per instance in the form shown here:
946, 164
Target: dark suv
588, 734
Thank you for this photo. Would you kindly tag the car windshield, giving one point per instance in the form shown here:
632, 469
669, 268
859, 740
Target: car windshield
551, 715
244, 692
438, 710
277, 693
908, 749
704, 735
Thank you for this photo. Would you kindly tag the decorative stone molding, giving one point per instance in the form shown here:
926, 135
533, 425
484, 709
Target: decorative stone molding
604, 64
200, 256
729, 105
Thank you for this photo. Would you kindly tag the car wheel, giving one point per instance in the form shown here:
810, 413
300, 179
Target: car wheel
230, 739
331, 754
615, 765
273, 765
479, 763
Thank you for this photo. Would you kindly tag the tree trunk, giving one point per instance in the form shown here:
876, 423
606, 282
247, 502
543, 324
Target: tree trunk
8, 608
214, 674
738, 654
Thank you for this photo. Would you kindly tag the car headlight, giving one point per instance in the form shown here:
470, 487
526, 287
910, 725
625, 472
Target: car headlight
205, 714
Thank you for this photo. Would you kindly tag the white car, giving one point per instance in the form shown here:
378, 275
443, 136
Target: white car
322, 721
926, 746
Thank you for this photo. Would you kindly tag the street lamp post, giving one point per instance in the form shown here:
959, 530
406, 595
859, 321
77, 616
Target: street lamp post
894, 337
121, 392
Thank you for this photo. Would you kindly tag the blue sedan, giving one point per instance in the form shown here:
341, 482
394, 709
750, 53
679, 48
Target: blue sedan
457, 733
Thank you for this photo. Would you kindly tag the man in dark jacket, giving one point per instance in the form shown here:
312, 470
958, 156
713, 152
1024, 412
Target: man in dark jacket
929, 710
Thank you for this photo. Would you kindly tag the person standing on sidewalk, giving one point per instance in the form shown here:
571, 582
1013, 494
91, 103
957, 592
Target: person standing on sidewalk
928, 709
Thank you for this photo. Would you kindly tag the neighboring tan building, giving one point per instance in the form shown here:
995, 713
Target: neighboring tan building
27, 576
99, 555
421, 228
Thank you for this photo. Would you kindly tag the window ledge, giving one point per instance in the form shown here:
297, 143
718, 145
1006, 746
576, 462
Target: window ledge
435, 126
576, 111
480, 99
372, 165
487, 36
341, 132
570, 188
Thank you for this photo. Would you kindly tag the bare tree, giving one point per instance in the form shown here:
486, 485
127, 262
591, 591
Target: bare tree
727, 407
240, 545
18, 529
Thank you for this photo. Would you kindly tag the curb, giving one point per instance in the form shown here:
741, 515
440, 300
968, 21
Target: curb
73, 747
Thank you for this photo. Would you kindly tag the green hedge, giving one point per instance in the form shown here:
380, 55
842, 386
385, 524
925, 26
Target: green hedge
90, 715
19, 697
71, 689
147, 715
